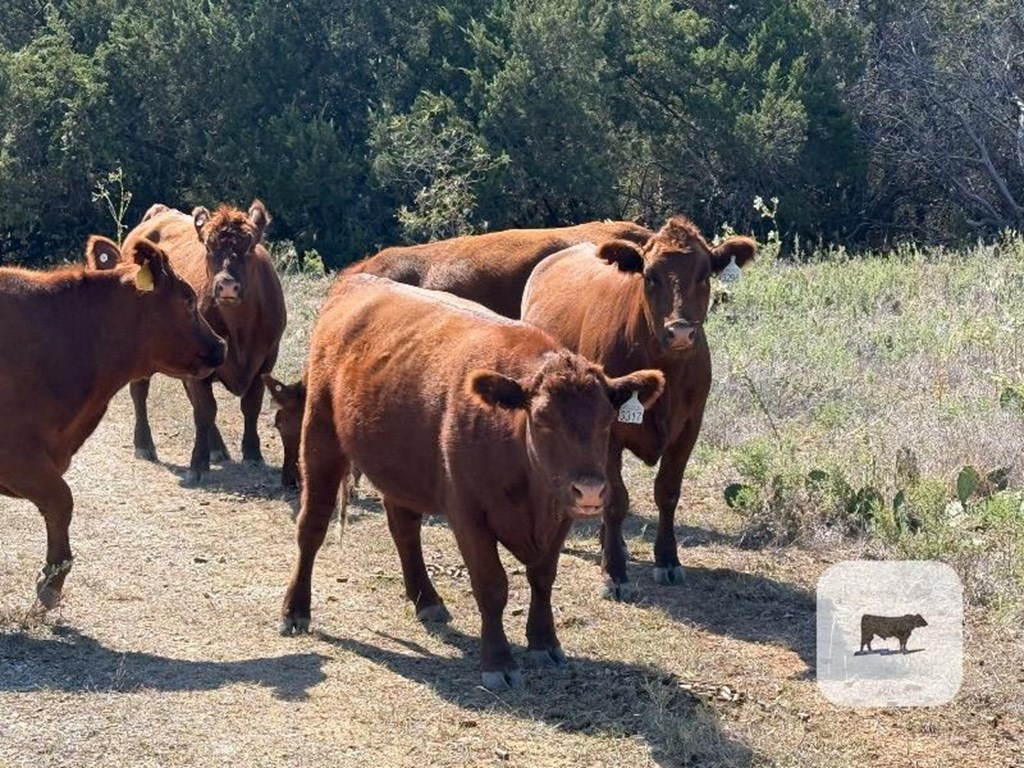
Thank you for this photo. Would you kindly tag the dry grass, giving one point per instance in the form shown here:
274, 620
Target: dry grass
166, 653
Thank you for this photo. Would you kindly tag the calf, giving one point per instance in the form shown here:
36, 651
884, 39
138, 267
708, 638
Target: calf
290, 400
221, 255
449, 408
491, 269
899, 627
71, 339
626, 307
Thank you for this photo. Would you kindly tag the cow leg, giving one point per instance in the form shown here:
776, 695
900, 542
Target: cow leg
204, 413
405, 528
325, 466
144, 447
41, 483
479, 550
542, 642
218, 451
252, 402
613, 544
667, 486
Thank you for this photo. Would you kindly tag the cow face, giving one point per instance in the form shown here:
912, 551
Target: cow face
676, 266
917, 620
230, 237
290, 400
178, 341
569, 406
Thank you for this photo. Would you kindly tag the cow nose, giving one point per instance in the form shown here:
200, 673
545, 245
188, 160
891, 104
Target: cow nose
682, 333
215, 357
588, 493
228, 289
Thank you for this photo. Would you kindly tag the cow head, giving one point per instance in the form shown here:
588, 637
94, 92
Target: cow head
569, 407
917, 620
230, 237
178, 341
290, 400
676, 266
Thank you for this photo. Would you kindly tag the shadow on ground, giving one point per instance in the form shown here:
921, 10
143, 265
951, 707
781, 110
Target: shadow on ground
589, 696
723, 601
63, 659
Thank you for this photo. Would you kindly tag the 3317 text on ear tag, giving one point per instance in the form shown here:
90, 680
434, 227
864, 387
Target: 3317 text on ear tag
632, 411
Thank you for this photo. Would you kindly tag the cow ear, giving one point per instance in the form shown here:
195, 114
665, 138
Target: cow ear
648, 385
625, 255
152, 262
742, 249
285, 395
260, 218
101, 253
200, 216
497, 391
155, 210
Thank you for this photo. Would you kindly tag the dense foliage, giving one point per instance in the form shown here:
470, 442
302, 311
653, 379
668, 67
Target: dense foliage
366, 123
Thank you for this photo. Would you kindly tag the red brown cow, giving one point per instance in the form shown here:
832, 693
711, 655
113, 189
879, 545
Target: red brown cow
627, 307
221, 255
450, 408
70, 340
491, 269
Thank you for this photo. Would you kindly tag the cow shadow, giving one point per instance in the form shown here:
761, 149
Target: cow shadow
724, 601
888, 652
589, 697
67, 660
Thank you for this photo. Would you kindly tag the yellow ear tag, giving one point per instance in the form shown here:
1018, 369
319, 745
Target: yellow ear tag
144, 278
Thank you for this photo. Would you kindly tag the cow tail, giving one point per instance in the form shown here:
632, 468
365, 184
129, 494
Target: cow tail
342, 513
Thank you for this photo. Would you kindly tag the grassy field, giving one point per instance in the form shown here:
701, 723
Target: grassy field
840, 385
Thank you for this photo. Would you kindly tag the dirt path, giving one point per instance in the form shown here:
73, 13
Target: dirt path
166, 651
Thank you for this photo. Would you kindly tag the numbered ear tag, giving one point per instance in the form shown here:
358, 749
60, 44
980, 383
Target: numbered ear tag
731, 272
632, 411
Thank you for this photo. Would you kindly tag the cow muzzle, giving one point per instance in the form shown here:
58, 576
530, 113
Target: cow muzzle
212, 358
588, 495
681, 335
227, 291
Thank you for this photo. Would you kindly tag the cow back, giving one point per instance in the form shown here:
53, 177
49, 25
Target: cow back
491, 269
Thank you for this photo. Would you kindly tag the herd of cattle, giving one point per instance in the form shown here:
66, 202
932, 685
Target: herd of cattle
495, 379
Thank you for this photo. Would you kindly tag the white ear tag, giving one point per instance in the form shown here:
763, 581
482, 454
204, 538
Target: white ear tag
731, 272
632, 411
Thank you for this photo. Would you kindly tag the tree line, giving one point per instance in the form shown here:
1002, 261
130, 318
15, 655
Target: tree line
370, 122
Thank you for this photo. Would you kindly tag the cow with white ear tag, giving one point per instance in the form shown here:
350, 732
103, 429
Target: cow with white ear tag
221, 254
628, 306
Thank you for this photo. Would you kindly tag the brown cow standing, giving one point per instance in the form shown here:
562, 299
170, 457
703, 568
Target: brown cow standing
450, 408
221, 255
627, 307
70, 340
491, 269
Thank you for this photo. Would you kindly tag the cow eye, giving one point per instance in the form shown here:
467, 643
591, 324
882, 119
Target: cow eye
651, 278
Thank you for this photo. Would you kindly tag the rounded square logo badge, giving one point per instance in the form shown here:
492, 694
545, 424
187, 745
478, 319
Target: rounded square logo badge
890, 633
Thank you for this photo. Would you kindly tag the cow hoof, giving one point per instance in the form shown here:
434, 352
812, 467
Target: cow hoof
192, 479
434, 614
294, 625
547, 657
671, 575
48, 597
624, 592
146, 454
254, 462
502, 680
218, 456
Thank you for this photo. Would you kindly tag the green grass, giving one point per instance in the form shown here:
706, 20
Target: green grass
835, 366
